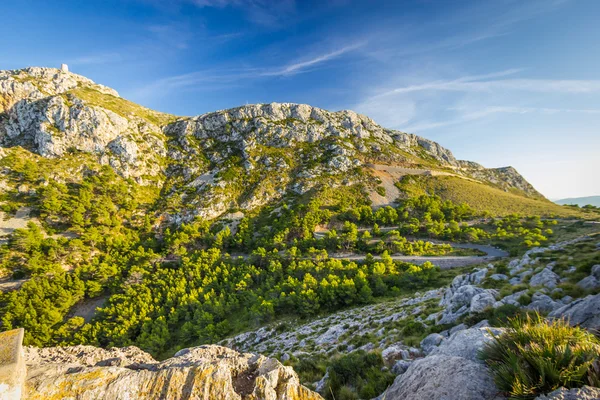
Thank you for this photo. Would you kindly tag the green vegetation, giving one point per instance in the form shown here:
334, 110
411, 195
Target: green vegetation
121, 106
535, 357
358, 375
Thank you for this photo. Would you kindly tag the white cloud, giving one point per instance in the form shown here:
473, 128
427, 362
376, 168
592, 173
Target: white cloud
471, 115
228, 76
476, 84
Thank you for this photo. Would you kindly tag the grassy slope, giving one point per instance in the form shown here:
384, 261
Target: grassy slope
123, 107
482, 197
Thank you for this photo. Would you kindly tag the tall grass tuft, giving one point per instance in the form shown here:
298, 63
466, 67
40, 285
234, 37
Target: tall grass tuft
535, 356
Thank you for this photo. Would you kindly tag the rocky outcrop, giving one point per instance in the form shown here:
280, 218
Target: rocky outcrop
42, 109
450, 371
206, 372
582, 312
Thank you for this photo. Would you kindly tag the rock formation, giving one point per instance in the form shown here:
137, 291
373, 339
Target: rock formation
206, 372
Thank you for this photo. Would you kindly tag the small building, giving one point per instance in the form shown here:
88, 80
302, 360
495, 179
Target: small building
64, 67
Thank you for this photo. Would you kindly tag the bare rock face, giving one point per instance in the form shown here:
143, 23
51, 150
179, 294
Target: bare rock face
41, 110
440, 377
451, 370
205, 372
583, 312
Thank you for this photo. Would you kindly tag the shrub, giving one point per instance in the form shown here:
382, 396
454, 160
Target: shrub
358, 372
535, 356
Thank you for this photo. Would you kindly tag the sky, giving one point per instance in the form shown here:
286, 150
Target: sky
499, 82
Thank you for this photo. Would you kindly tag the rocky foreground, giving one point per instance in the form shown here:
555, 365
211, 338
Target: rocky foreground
206, 372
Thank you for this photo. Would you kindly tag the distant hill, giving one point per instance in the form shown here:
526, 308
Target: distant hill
581, 201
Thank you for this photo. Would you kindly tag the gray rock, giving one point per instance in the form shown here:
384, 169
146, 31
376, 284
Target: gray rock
457, 328
320, 385
401, 366
545, 278
466, 343
583, 312
431, 342
596, 271
481, 301
514, 298
441, 377
499, 277
482, 324
543, 303
589, 283
583, 393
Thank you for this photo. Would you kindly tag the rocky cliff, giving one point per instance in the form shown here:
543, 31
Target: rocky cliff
240, 158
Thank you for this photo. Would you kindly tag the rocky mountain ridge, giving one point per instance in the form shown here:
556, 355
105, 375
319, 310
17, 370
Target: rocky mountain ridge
206, 165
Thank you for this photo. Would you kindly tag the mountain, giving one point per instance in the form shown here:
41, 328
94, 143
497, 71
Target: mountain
580, 201
232, 160
343, 257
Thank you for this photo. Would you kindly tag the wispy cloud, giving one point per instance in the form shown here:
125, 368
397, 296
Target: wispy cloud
229, 76
472, 115
531, 85
302, 66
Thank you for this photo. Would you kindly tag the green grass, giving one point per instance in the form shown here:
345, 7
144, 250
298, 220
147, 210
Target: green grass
122, 107
480, 196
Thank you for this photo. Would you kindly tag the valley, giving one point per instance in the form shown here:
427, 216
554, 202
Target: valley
319, 240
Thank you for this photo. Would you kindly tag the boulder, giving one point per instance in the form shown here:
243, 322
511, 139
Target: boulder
514, 298
545, 278
583, 312
401, 366
466, 343
442, 377
499, 277
481, 301
543, 303
431, 342
589, 283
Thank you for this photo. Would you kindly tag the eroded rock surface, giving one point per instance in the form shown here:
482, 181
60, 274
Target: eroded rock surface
205, 372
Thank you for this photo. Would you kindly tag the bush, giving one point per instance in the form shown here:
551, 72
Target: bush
360, 373
535, 356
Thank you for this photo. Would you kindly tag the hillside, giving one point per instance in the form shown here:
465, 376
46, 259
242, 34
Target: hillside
319, 238
217, 163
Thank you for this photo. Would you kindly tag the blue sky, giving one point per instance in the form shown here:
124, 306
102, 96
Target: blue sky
500, 82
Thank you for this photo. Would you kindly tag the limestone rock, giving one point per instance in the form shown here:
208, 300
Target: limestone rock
583, 393
442, 377
584, 312
466, 343
205, 372
543, 303
431, 342
589, 283
545, 278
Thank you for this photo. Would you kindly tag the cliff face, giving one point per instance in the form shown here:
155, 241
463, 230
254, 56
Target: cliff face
51, 113
206, 372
